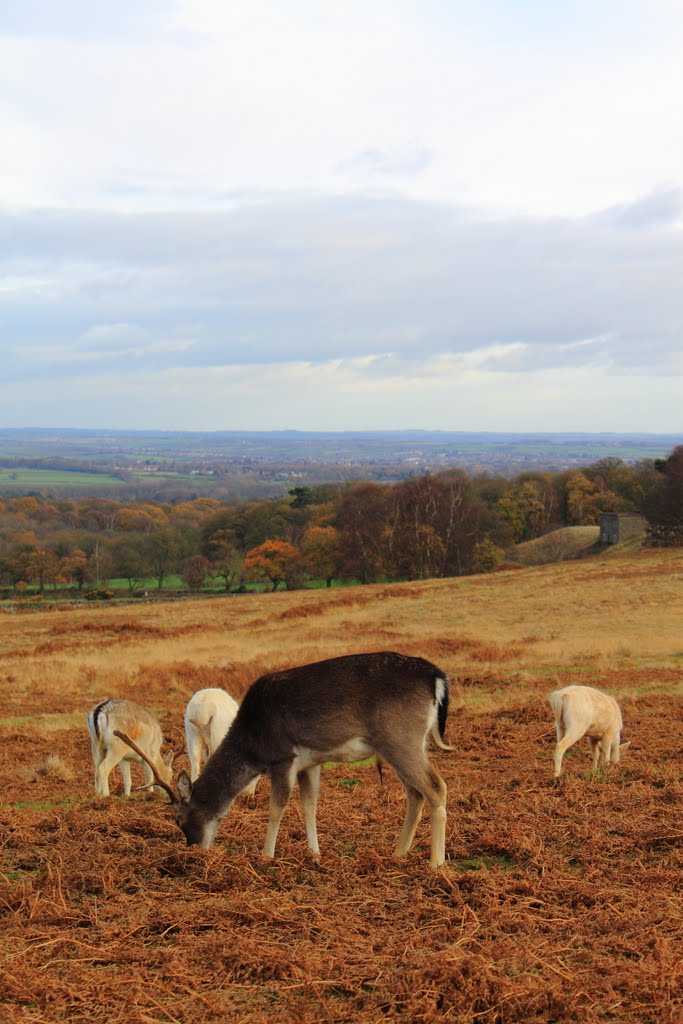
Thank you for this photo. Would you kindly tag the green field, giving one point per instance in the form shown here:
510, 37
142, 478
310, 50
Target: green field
229, 466
40, 479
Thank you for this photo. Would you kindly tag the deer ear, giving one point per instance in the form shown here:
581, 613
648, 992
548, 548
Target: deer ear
184, 785
624, 746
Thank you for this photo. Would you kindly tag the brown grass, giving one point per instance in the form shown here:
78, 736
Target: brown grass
558, 903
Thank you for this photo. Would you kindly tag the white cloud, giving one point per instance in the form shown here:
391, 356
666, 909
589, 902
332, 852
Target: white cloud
183, 102
384, 200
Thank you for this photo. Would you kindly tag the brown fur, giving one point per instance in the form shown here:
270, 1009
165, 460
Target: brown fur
345, 708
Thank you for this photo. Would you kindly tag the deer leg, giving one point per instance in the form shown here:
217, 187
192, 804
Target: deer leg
436, 797
309, 784
608, 746
194, 753
147, 775
563, 745
124, 768
250, 790
432, 789
102, 772
281, 783
595, 751
422, 783
410, 823
101, 782
97, 761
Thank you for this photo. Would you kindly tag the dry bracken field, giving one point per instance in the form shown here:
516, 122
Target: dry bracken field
558, 902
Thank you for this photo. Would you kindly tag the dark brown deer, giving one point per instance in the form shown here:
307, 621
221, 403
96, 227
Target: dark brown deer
342, 709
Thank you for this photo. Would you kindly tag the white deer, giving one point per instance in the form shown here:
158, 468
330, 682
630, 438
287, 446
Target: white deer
105, 721
208, 716
584, 711
342, 709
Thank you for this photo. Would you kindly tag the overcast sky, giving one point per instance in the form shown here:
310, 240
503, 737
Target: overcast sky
324, 215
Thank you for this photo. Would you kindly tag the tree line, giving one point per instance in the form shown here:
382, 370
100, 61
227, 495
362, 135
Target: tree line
444, 524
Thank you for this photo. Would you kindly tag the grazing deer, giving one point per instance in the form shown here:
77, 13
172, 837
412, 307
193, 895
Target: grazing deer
105, 721
584, 711
208, 716
343, 709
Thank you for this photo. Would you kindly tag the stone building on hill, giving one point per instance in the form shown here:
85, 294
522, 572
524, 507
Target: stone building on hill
615, 527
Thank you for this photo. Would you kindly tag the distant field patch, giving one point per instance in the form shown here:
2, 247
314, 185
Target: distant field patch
39, 479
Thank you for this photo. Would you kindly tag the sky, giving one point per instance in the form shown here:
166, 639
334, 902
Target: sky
368, 215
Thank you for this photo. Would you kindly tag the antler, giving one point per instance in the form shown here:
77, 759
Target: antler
157, 780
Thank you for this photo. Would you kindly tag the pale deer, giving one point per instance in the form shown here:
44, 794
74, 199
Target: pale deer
105, 721
584, 711
342, 709
208, 716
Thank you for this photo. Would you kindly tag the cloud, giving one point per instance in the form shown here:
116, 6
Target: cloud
74, 17
345, 197
346, 394
663, 206
549, 109
373, 164
310, 278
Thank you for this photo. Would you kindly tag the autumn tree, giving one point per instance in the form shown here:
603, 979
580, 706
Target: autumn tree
42, 567
665, 507
579, 488
246, 526
227, 563
195, 570
320, 551
361, 522
140, 518
129, 561
436, 520
98, 514
164, 551
523, 509
76, 568
19, 562
487, 556
274, 560
194, 512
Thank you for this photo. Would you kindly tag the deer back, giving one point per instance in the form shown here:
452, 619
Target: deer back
324, 705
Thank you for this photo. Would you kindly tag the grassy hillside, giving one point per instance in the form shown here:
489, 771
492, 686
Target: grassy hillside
557, 902
568, 542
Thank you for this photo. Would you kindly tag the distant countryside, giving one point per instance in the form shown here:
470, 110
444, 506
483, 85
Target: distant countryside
100, 516
233, 465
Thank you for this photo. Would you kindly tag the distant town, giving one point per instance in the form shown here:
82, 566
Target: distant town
242, 465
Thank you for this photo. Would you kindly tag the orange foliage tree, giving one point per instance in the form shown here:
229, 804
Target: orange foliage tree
274, 560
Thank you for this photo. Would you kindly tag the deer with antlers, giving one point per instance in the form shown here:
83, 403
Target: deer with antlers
341, 709
107, 721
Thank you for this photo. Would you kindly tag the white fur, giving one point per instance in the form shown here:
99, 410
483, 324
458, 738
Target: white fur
584, 711
208, 716
108, 750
